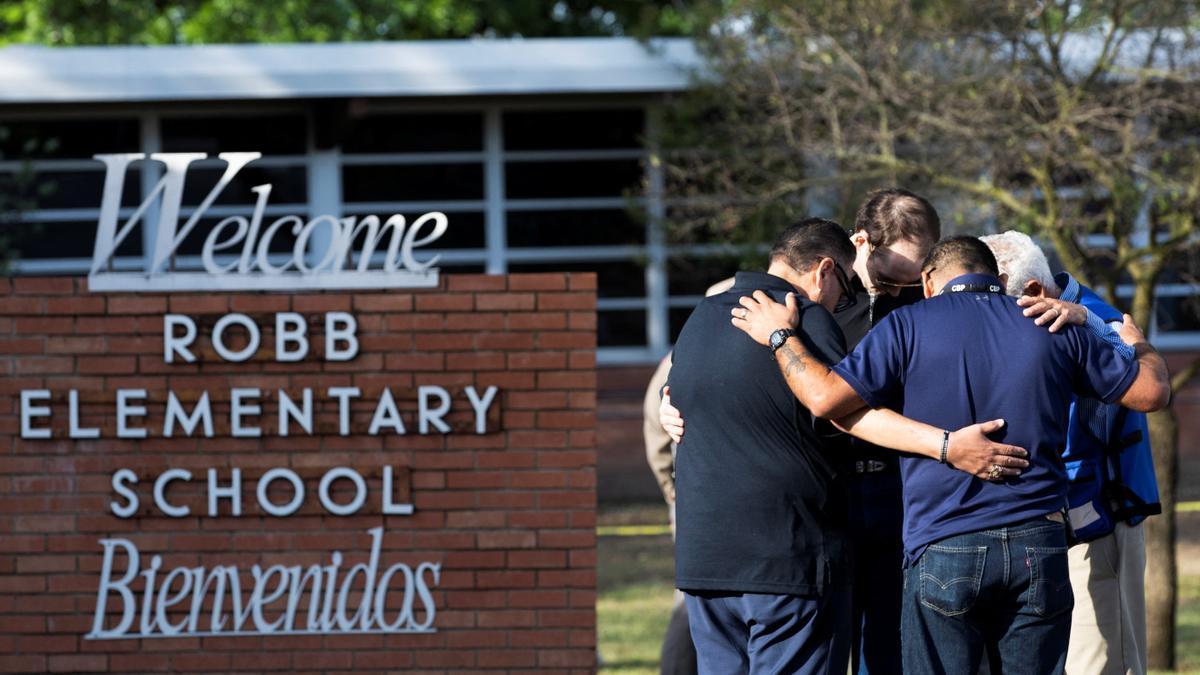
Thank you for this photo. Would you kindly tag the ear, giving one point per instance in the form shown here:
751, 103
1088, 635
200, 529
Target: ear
927, 284
859, 238
1033, 288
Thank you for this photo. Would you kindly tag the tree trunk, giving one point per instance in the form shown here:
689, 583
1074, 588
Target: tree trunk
1160, 544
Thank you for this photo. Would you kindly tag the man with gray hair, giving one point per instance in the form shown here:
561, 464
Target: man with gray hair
1111, 472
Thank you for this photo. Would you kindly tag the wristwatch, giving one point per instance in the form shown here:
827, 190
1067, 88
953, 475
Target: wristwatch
779, 337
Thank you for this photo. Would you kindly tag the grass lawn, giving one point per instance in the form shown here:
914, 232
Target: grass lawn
636, 576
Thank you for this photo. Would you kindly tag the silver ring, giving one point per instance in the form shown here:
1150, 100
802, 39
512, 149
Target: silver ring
745, 312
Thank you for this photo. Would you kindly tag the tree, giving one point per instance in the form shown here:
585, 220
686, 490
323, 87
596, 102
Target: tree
1071, 120
108, 22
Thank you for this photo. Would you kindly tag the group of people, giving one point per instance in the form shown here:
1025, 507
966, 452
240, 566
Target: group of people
892, 439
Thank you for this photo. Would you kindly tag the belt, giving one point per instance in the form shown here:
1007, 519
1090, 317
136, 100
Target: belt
870, 466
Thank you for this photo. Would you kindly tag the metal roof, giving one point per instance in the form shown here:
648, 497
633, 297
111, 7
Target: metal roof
479, 67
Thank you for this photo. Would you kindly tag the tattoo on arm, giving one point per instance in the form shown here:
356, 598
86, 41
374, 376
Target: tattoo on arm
795, 363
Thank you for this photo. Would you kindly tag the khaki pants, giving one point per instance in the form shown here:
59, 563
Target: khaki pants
1108, 625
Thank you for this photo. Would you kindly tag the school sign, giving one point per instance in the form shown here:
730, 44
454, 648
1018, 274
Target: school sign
336, 461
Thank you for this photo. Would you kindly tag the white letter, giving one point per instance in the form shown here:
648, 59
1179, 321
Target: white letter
360, 491
121, 586
211, 245
125, 411
290, 327
305, 236
160, 609
73, 416
288, 409
374, 235
264, 245
160, 492
201, 413
346, 332
178, 345
108, 238
218, 337
427, 415
232, 493
481, 406
405, 614
391, 508
30, 411
435, 570
343, 395
440, 223
369, 570
260, 205
297, 488
386, 414
119, 479
259, 598
237, 408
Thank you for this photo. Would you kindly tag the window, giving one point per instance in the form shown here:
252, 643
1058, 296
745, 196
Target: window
406, 182
269, 134
420, 132
576, 227
66, 139
573, 129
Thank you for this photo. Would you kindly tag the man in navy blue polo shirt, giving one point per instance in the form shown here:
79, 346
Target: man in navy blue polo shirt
986, 562
761, 546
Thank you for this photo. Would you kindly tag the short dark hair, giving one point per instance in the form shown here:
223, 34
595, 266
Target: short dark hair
893, 214
967, 253
805, 243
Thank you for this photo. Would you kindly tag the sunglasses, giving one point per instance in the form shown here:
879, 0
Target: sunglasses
848, 294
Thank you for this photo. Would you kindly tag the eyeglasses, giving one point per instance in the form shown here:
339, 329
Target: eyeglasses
880, 281
849, 297
895, 284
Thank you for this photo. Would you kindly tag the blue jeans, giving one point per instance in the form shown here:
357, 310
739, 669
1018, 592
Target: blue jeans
1004, 591
739, 633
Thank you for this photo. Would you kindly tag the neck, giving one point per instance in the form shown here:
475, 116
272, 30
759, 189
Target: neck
785, 272
943, 277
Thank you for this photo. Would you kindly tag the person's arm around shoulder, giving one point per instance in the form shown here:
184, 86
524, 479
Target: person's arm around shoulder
814, 383
1151, 388
967, 449
657, 440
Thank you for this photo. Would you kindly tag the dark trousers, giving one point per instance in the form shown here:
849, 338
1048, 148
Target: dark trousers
767, 633
875, 534
678, 652
1005, 592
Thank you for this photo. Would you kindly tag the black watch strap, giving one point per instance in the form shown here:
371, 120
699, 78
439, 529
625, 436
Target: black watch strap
780, 337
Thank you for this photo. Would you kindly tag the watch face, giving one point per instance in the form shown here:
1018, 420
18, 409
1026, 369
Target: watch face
778, 338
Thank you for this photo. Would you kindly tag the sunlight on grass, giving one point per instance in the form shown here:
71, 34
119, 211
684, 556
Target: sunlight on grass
636, 590
632, 623
636, 579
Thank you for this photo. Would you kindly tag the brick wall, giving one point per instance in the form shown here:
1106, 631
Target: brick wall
508, 515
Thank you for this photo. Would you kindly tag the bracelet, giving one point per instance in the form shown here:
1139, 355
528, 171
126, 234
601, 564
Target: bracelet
945, 446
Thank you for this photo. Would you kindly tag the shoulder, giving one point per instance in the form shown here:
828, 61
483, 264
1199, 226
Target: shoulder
822, 331
816, 317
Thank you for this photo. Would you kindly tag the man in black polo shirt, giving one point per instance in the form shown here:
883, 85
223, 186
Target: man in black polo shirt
986, 562
893, 231
761, 546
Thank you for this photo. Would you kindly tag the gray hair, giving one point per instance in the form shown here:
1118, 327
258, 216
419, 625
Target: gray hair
1021, 259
